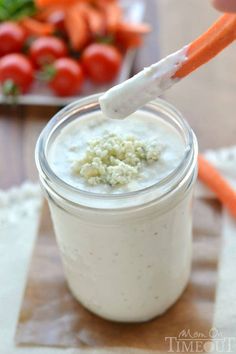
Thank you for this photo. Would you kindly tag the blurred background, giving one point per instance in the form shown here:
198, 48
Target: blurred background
206, 98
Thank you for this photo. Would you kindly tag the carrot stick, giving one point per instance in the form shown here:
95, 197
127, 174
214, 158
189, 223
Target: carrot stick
214, 181
76, 28
113, 15
37, 28
94, 19
209, 44
45, 3
133, 28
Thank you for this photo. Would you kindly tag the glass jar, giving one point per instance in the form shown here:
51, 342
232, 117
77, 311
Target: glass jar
126, 257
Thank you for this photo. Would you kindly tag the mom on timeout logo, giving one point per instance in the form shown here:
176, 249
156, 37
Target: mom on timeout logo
198, 342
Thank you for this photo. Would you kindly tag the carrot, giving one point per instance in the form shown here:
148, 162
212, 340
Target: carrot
35, 27
133, 28
213, 179
113, 15
94, 19
45, 3
44, 13
76, 28
209, 44
129, 35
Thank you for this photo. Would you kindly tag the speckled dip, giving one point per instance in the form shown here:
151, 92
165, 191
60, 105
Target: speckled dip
127, 255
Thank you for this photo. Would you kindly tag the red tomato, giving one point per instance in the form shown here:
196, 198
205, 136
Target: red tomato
18, 69
12, 38
102, 62
68, 77
45, 50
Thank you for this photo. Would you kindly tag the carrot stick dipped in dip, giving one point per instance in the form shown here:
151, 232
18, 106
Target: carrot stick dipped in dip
124, 99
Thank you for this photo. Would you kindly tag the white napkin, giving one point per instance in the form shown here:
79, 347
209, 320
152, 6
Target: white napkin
19, 219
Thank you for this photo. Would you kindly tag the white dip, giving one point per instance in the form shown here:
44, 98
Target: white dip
161, 138
125, 258
122, 100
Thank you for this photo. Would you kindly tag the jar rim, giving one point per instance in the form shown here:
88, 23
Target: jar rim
81, 105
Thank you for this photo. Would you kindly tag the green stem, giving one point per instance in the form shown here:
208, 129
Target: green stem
47, 73
10, 88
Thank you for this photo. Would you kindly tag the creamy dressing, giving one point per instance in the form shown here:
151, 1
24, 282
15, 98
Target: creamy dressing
129, 266
72, 143
122, 100
126, 258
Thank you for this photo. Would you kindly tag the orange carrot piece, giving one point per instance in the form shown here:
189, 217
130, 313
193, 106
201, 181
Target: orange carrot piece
209, 44
113, 16
215, 182
94, 19
37, 28
45, 3
130, 35
76, 27
133, 28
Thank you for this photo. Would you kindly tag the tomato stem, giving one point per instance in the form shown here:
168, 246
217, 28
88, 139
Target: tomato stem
10, 88
108, 39
47, 73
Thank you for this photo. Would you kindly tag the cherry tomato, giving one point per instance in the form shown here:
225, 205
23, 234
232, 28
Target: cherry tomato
17, 70
45, 50
68, 77
102, 62
12, 38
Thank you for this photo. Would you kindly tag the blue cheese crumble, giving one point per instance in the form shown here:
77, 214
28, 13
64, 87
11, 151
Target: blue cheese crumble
115, 160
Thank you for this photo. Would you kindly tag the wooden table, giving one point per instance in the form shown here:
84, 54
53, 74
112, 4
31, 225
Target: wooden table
206, 98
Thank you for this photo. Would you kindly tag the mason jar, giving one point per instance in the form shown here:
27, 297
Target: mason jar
126, 257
